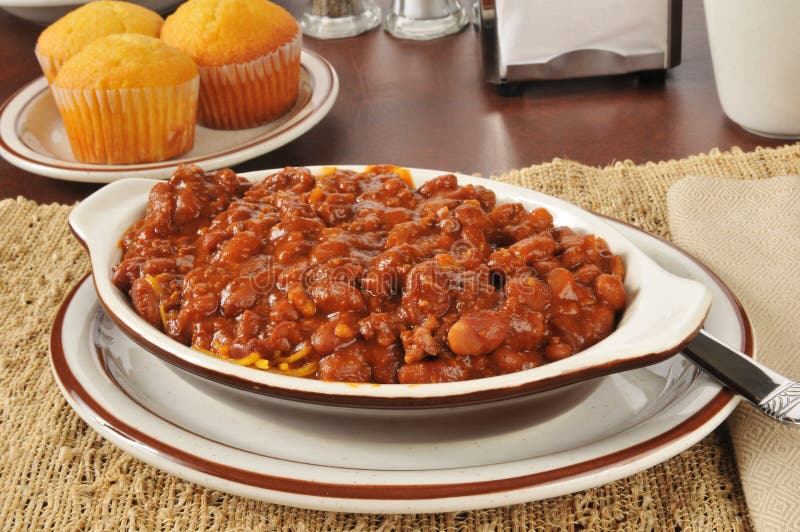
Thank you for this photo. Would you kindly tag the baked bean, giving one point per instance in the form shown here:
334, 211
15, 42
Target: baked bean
126, 272
507, 214
237, 296
509, 360
325, 340
587, 274
329, 249
431, 370
249, 324
609, 290
189, 198
573, 257
540, 219
526, 330
385, 361
525, 291
562, 283
583, 327
437, 184
290, 252
297, 180
285, 336
146, 301
556, 350
336, 208
295, 229
228, 182
431, 206
301, 301
393, 217
238, 211
536, 221
158, 265
471, 215
534, 248
283, 310
380, 327
543, 267
335, 270
207, 243
506, 262
295, 209
616, 267
477, 333
337, 297
239, 247
428, 290
408, 232
197, 304
158, 216
346, 365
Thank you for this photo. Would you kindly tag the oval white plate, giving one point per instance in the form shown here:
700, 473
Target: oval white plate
46, 11
32, 135
396, 462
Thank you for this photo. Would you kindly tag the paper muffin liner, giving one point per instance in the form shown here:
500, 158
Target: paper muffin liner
127, 126
49, 65
243, 95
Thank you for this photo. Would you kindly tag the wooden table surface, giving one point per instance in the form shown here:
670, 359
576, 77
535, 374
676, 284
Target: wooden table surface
425, 104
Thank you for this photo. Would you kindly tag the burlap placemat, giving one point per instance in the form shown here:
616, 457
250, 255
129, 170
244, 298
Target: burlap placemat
56, 473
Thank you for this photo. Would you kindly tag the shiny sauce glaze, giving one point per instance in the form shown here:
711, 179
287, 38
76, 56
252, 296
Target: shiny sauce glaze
359, 277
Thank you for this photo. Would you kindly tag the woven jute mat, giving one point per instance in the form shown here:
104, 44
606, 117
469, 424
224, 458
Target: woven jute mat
56, 473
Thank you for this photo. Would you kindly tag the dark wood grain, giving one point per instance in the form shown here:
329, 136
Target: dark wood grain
425, 104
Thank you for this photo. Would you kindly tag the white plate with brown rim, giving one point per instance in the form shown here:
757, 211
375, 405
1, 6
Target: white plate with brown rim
343, 459
664, 311
32, 136
44, 12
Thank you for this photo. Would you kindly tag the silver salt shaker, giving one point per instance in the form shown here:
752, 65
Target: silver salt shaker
333, 19
425, 19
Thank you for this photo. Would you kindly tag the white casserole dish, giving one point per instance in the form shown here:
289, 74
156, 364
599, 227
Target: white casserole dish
663, 313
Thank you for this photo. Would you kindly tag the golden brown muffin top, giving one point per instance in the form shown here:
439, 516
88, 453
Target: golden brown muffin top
126, 61
221, 32
69, 34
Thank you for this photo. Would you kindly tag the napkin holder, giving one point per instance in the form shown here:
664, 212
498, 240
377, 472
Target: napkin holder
525, 40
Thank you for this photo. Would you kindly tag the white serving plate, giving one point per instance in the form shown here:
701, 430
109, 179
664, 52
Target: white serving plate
664, 312
350, 460
32, 136
44, 12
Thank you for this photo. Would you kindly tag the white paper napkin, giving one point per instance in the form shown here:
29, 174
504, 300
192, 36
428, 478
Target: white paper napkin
748, 232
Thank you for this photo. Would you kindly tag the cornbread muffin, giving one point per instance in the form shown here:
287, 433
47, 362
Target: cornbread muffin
248, 53
128, 98
69, 34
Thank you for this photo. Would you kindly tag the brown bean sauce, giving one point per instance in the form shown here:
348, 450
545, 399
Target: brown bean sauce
359, 277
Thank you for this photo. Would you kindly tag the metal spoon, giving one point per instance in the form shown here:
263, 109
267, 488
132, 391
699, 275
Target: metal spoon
772, 393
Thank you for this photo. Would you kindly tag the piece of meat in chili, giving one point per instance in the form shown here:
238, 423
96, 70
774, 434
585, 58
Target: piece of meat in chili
359, 277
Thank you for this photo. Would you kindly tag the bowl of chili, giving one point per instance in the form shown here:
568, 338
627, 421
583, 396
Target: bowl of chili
378, 286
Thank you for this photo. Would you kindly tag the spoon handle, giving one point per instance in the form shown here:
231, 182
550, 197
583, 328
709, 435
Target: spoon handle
772, 393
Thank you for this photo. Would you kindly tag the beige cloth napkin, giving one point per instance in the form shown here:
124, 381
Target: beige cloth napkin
748, 232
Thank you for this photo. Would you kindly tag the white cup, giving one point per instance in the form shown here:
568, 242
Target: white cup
755, 49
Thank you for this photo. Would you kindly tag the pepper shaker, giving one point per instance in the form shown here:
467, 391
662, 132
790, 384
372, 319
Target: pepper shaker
333, 19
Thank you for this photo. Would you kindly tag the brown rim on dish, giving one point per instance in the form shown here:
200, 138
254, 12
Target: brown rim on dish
395, 492
279, 129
